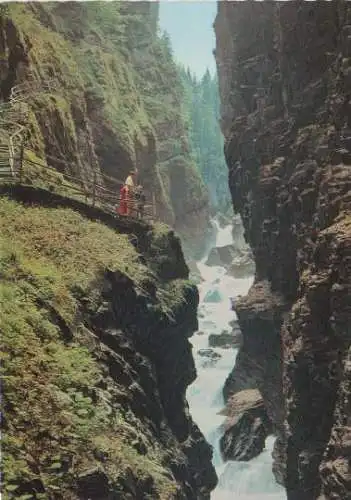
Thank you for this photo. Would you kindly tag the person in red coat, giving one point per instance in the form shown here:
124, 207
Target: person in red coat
123, 201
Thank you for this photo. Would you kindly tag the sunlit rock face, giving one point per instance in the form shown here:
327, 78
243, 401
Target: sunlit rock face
108, 111
246, 426
284, 76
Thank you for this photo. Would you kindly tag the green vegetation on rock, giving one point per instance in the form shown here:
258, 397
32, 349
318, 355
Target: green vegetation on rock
116, 102
59, 416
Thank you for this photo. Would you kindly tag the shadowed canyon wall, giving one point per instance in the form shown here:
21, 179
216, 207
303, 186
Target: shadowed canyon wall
285, 85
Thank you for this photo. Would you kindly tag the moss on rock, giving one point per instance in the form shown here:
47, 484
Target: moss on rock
83, 407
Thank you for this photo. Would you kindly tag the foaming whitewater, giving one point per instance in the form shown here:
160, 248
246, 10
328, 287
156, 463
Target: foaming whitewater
251, 480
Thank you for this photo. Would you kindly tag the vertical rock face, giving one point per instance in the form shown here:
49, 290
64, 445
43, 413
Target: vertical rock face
96, 104
285, 84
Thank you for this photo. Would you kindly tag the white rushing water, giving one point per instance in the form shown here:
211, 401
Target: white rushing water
251, 480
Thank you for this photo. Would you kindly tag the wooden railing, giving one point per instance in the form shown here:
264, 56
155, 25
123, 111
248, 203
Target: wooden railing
97, 189
22, 91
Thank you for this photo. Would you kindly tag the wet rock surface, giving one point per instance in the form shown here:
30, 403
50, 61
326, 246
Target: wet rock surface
195, 274
225, 339
238, 261
209, 357
246, 427
242, 266
208, 353
221, 256
284, 77
213, 296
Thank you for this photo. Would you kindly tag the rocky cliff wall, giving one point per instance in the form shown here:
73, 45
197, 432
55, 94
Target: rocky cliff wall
115, 101
284, 75
97, 314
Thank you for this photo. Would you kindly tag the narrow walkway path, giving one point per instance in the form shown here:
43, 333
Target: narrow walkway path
14, 132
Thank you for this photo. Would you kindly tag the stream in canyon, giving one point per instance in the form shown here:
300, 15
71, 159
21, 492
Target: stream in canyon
251, 480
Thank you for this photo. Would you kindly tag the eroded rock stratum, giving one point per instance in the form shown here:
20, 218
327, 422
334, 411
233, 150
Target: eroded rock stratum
284, 75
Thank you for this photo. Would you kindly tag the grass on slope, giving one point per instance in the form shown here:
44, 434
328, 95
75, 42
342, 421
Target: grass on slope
55, 421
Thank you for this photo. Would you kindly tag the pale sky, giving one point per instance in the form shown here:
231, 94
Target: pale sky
189, 24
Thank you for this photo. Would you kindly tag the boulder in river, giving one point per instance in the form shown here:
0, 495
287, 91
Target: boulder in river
225, 339
213, 258
242, 266
213, 296
221, 256
210, 357
227, 254
237, 261
246, 427
209, 353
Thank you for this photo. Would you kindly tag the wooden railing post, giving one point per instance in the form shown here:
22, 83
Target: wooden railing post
153, 206
20, 172
11, 155
94, 189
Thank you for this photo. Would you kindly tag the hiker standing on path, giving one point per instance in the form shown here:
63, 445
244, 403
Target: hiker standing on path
140, 201
130, 185
123, 201
130, 180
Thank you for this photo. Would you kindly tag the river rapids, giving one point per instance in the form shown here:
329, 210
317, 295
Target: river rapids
252, 480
